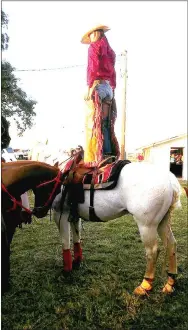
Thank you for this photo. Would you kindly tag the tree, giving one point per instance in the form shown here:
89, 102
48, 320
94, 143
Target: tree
4, 36
14, 101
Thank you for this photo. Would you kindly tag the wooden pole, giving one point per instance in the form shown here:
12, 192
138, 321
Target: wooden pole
123, 116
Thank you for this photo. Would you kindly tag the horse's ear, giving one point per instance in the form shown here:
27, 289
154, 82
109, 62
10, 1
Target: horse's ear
56, 164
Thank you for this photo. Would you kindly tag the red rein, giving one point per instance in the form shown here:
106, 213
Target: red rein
17, 203
57, 181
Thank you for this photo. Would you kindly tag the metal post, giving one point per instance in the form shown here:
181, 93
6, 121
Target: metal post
123, 116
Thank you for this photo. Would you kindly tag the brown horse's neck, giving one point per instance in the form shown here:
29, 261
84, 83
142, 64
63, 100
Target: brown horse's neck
21, 176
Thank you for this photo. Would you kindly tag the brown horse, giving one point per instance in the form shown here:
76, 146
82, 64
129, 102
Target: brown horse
186, 190
18, 177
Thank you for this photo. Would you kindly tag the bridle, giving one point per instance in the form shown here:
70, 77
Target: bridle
14, 200
57, 182
18, 203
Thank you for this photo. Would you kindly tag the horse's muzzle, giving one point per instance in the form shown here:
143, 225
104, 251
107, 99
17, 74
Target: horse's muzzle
40, 212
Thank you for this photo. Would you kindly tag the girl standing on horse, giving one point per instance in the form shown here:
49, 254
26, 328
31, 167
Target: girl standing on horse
101, 113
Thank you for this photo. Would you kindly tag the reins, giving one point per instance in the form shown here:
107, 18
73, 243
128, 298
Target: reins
15, 202
71, 157
64, 161
57, 181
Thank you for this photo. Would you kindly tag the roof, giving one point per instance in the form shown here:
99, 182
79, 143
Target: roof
163, 141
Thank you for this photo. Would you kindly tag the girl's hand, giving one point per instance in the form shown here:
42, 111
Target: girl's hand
87, 95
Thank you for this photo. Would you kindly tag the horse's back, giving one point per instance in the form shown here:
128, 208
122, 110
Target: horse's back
148, 189
144, 174
147, 174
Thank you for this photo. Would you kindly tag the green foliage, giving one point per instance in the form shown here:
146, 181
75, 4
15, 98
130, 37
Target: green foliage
4, 35
98, 295
14, 101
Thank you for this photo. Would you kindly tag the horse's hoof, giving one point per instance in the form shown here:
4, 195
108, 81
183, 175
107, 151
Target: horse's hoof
143, 289
139, 291
168, 289
76, 264
5, 287
66, 274
169, 286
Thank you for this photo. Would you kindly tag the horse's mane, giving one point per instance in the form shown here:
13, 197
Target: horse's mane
19, 163
21, 170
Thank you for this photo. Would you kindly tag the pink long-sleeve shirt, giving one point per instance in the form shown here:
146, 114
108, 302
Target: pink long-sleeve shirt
101, 62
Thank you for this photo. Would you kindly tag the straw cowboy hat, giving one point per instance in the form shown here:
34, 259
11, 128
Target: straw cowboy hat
86, 40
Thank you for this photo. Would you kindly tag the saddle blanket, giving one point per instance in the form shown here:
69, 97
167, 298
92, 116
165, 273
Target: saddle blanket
104, 177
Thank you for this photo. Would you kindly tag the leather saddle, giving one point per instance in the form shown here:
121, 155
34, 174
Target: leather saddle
90, 176
100, 175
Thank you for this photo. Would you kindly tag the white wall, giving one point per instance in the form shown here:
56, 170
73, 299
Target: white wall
185, 169
160, 154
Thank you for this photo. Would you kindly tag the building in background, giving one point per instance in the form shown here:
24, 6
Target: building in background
170, 153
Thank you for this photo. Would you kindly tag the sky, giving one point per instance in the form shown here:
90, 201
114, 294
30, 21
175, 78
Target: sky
47, 34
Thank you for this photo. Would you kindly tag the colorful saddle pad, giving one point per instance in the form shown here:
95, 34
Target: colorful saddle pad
104, 177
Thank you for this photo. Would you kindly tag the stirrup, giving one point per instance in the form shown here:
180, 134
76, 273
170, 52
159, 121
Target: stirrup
107, 159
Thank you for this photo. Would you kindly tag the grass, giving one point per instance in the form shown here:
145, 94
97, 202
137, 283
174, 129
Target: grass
99, 294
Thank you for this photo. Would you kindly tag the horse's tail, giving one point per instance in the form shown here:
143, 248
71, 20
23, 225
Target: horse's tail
175, 204
177, 191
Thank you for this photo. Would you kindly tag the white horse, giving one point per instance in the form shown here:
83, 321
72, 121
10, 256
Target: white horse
149, 194
45, 153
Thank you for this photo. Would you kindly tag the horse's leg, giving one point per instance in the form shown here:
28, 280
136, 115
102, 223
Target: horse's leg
167, 237
64, 229
149, 238
76, 231
5, 258
26, 217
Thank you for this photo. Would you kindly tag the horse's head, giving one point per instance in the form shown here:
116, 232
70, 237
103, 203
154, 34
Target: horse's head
45, 193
